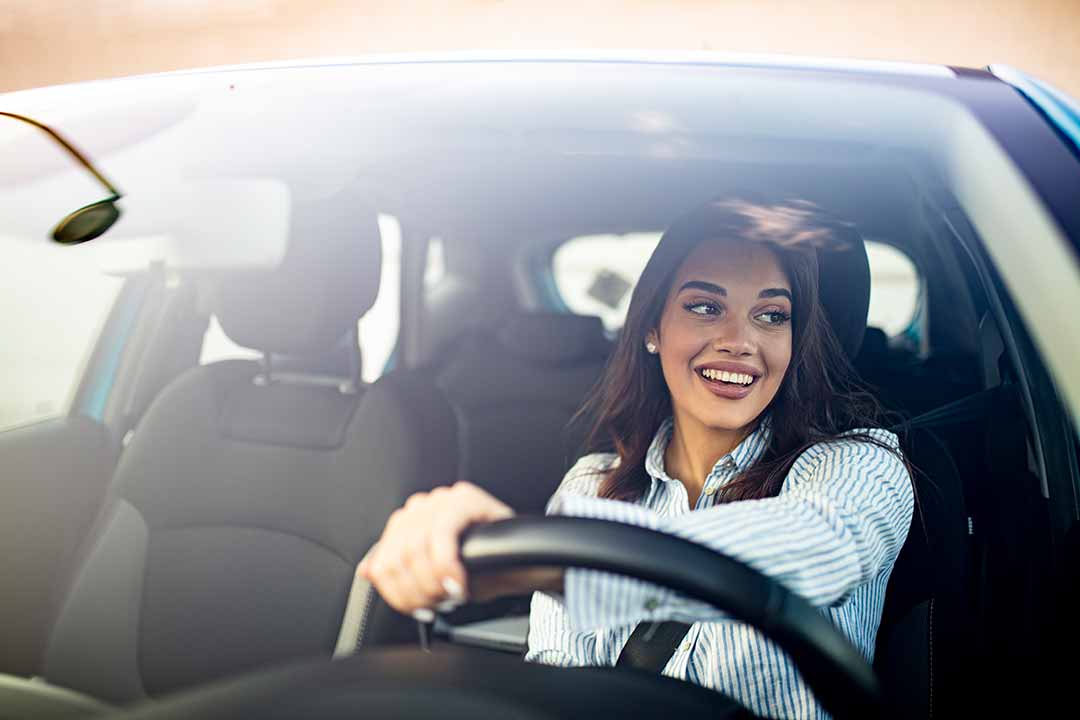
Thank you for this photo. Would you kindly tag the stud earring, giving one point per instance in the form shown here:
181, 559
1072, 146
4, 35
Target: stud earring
651, 347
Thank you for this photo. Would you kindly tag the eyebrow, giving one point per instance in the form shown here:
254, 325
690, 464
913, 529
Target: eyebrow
717, 290
775, 292
706, 286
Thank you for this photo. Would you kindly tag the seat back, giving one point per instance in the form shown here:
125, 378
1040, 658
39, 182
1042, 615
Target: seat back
925, 622
931, 652
245, 498
515, 391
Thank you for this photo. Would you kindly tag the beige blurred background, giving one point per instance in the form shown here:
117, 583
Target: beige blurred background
44, 42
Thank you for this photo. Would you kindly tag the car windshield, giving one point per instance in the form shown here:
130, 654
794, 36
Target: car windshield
213, 166
313, 230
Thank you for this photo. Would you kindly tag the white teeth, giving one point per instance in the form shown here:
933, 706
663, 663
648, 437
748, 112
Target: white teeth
728, 377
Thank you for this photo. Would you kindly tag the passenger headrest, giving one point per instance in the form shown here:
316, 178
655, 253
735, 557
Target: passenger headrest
875, 345
553, 338
844, 278
328, 278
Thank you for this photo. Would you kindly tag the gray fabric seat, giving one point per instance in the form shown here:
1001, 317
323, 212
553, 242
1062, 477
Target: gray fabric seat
515, 390
245, 499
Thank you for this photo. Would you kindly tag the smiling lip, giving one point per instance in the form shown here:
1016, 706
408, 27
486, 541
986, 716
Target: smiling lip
728, 390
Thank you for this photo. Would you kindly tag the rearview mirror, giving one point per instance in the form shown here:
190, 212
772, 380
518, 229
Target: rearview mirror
87, 222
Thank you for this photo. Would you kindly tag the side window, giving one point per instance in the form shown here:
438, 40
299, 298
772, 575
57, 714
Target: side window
595, 274
55, 304
378, 328
895, 289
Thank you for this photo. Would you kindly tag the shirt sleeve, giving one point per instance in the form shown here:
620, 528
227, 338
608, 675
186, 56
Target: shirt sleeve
552, 640
839, 521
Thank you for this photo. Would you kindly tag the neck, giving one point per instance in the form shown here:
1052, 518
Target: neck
695, 449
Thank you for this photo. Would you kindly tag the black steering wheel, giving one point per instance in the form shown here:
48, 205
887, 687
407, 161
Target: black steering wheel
404, 682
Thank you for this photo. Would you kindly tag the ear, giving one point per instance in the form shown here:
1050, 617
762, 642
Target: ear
652, 337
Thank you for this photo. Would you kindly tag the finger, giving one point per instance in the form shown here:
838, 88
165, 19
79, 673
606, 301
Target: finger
418, 566
470, 505
485, 506
444, 543
407, 594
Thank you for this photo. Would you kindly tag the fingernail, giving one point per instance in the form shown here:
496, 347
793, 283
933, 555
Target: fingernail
453, 589
423, 615
448, 606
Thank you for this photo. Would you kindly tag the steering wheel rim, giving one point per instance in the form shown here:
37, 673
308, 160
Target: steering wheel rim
837, 673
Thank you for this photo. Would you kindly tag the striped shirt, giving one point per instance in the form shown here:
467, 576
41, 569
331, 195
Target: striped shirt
831, 535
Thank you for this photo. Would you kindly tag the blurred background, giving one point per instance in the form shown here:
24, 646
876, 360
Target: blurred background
45, 42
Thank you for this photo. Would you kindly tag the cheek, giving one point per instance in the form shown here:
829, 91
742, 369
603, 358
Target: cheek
777, 354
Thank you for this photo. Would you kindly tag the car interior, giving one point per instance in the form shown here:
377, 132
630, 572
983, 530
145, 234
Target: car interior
209, 515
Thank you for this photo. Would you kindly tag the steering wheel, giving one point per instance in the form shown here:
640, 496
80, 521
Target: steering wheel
404, 682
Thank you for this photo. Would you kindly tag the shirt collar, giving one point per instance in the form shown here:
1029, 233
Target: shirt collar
745, 454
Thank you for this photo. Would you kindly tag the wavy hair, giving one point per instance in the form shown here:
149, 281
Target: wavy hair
820, 397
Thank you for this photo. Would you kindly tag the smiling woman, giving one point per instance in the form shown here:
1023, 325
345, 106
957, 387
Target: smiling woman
728, 383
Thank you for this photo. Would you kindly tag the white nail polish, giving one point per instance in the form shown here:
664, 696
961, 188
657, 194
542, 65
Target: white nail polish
448, 606
453, 589
423, 615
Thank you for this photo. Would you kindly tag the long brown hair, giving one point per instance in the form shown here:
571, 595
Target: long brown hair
820, 396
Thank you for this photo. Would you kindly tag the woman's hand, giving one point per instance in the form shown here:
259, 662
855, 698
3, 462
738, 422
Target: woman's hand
415, 564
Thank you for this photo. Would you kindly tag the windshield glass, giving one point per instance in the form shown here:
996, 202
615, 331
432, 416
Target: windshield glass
289, 238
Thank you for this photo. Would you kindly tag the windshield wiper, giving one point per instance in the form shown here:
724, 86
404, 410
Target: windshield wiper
89, 221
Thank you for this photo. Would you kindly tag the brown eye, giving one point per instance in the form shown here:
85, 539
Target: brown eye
702, 308
774, 317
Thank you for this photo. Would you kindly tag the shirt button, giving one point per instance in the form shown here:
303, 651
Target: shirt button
710, 490
686, 646
652, 604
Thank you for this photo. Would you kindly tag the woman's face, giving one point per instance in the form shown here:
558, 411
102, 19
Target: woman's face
725, 335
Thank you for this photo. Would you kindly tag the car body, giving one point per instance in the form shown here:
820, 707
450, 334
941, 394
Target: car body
511, 187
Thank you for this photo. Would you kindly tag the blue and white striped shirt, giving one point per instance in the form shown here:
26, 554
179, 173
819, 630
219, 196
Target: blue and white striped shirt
831, 535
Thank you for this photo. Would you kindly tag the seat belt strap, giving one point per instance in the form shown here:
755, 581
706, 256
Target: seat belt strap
651, 645
967, 409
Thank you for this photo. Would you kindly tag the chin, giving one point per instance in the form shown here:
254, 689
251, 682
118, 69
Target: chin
728, 422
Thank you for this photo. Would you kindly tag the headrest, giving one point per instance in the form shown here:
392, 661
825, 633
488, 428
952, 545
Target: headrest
844, 280
553, 338
328, 278
875, 345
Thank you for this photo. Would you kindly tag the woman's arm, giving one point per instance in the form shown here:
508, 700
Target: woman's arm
839, 521
551, 639
415, 565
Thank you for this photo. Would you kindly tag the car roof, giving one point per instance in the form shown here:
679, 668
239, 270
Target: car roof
773, 61
625, 57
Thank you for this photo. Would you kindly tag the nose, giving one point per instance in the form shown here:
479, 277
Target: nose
734, 337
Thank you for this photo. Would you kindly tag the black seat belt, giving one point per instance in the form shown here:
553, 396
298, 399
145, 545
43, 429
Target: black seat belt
652, 644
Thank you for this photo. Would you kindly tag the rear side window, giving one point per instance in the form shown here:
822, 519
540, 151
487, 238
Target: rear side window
595, 274
895, 289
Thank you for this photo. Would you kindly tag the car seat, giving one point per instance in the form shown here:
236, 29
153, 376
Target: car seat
515, 390
250, 489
